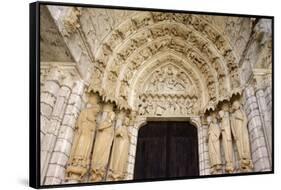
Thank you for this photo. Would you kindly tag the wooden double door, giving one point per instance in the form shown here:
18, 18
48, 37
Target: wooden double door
166, 150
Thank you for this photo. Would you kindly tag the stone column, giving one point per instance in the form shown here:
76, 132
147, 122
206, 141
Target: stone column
259, 151
133, 133
48, 143
202, 131
61, 153
204, 164
265, 118
268, 100
48, 99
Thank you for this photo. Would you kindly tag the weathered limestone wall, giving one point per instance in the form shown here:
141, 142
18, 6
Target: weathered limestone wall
61, 151
49, 139
61, 101
256, 76
260, 154
133, 131
204, 164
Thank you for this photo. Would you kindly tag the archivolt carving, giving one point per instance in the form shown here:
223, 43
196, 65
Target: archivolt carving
175, 45
146, 34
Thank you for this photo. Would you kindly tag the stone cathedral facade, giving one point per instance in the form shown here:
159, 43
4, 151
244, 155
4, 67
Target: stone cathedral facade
106, 74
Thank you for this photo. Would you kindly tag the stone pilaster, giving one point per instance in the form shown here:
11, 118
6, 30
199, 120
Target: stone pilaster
204, 165
259, 151
202, 148
133, 133
61, 153
49, 140
266, 119
48, 98
268, 100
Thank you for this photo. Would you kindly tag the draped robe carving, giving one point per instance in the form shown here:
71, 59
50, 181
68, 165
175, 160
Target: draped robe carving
227, 140
105, 132
214, 145
82, 145
240, 133
119, 156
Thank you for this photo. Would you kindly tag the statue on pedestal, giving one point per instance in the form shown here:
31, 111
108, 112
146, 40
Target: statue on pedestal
120, 151
79, 161
100, 157
226, 138
239, 129
214, 133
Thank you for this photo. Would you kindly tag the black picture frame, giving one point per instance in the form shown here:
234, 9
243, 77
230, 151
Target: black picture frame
34, 91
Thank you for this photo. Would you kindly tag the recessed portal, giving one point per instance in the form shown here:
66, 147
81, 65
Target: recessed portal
166, 149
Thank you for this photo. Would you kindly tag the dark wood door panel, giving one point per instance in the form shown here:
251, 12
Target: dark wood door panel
166, 149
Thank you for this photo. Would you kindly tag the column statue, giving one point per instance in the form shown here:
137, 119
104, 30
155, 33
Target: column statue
226, 138
79, 160
239, 129
102, 147
214, 144
120, 150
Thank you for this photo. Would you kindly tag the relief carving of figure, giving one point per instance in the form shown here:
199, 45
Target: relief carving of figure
226, 138
214, 133
239, 128
183, 108
150, 106
82, 145
188, 104
142, 107
104, 138
160, 107
120, 150
96, 80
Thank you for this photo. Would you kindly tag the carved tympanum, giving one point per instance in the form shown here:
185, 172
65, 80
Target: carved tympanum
163, 105
168, 91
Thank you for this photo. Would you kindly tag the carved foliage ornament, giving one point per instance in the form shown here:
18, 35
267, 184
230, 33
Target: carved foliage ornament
71, 21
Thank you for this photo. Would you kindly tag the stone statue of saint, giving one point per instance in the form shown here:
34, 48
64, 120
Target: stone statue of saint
119, 155
214, 133
104, 138
239, 129
226, 139
150, 106
82, 145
